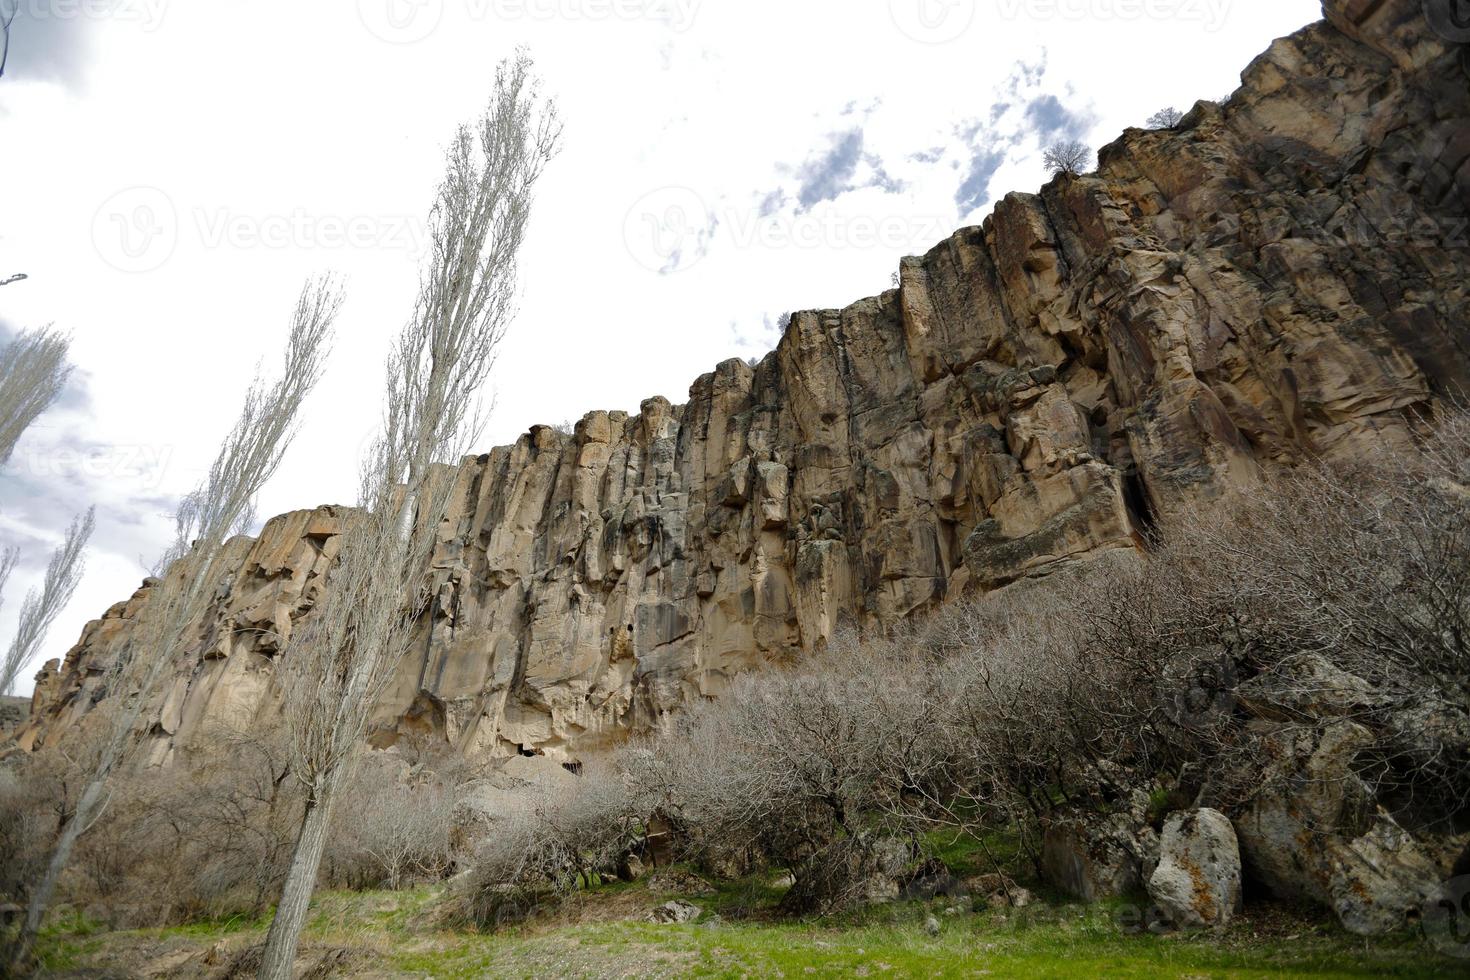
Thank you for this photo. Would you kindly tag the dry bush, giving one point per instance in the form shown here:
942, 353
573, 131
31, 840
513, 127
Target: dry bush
804, 768
394, 828
1335, 590
206, 839
1363, 567
29, 799
197, 841
552, 840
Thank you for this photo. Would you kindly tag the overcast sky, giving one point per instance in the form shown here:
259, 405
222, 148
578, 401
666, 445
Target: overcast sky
174, 172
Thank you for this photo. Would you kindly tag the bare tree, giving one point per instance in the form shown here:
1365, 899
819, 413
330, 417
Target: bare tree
1166, 118
338, 663
7, 17
33, 371
1067, 157
9, 557
206, 518
63, 573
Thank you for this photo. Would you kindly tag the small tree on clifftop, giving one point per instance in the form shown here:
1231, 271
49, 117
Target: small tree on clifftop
1166, 118
1067, 157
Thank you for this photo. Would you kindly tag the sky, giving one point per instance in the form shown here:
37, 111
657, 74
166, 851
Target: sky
176, 171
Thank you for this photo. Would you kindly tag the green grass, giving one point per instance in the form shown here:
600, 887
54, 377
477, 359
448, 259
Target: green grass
964, 855
404, 934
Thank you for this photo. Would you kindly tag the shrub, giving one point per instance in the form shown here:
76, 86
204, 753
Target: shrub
393, 828
1110, 682
549, 840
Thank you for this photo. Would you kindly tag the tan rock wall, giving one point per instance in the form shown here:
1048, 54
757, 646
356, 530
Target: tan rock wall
1281, 276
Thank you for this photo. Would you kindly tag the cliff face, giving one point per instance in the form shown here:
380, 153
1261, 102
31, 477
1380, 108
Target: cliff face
1279, 276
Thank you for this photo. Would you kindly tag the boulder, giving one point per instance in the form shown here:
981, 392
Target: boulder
1098, 855
1306, 686
1315, 831
675, 913
1197, 881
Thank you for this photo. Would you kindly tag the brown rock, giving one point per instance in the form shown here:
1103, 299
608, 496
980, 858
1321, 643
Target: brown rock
1252, 286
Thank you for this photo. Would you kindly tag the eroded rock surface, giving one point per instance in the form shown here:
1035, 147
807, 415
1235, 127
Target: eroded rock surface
1282, 275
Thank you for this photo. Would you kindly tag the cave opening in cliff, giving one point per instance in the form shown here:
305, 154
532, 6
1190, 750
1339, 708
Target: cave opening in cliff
1141, 513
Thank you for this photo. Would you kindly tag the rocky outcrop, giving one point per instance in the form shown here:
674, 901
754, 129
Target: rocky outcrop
1281, 275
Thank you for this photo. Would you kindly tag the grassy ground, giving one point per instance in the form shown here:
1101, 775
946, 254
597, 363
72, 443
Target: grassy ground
401, 934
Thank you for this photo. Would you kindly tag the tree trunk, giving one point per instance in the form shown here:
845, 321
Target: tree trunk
41, 897
290, 919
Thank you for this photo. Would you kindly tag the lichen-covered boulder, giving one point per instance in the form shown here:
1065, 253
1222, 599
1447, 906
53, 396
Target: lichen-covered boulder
1316, 831
1197, 881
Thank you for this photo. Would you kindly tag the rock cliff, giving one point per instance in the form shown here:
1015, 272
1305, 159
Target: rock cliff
1280, 275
